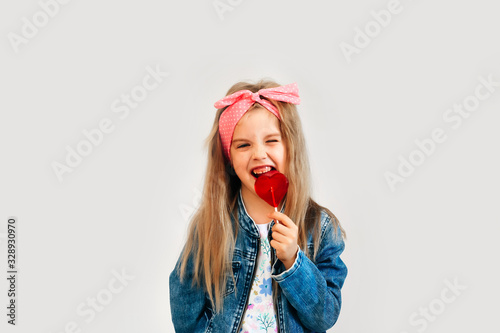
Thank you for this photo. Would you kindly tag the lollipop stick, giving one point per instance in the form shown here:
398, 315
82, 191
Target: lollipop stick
274, 202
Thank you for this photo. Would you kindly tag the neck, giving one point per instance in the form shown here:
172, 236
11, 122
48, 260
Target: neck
256, 207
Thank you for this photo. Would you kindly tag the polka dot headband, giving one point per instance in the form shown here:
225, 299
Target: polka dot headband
239, 103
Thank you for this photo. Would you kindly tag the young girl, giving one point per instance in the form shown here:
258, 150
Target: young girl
246, 267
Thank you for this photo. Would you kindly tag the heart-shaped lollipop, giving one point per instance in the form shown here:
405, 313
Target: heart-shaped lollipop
271, 187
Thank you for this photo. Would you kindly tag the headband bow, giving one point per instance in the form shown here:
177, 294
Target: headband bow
239, 102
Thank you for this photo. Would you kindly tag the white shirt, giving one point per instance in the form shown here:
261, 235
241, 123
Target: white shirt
260, 315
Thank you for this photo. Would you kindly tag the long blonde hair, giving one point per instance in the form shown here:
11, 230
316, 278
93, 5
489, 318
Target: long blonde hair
211, 236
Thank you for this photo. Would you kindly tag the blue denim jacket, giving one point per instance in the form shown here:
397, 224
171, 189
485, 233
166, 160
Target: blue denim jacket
309, 297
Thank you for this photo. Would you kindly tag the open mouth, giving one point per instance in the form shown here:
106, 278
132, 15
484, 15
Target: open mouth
257, 172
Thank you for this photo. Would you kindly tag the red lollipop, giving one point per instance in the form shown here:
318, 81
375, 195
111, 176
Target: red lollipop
271, 187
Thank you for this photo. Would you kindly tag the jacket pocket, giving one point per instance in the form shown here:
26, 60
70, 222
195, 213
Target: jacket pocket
232, 280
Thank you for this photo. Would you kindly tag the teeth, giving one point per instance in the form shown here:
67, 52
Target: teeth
264, 170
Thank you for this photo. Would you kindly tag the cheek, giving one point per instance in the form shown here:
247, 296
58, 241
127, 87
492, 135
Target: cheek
282, 154
239, 164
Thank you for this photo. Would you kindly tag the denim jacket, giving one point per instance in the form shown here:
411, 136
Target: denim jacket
309, 297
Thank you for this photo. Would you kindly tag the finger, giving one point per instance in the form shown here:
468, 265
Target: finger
281, 217
275, 245
279, 247
280, 238
284, 230
287, 224
284, 252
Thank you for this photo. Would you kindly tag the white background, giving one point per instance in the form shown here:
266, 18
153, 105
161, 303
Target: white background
125, 206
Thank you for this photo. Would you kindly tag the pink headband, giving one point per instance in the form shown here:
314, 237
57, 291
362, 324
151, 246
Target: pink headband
242, 100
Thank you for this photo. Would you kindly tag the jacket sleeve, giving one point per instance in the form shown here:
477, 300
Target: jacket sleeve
188, 304
313, 288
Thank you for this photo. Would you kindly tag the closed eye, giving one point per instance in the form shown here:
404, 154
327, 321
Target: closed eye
243, 145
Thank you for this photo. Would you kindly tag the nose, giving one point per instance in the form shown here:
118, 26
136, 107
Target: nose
259, 152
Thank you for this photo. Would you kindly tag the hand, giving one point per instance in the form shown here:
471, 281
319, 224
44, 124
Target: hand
285, 235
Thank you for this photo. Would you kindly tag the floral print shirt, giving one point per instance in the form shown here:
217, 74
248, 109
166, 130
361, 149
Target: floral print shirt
260, 315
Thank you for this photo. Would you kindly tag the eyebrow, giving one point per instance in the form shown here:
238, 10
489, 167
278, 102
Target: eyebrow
266, 137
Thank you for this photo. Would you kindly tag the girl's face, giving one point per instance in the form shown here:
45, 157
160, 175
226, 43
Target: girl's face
257, 147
